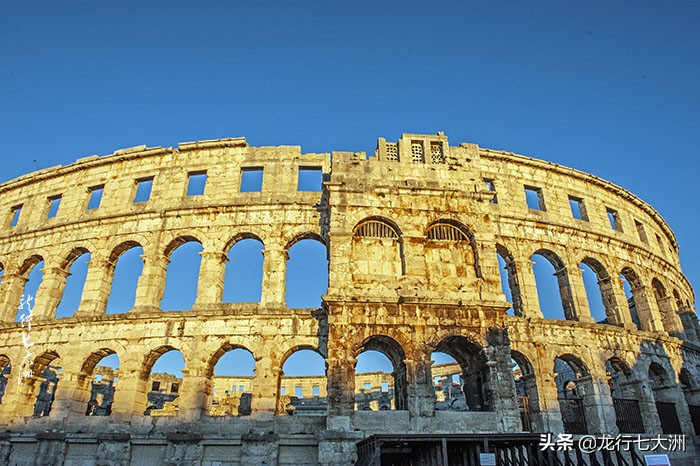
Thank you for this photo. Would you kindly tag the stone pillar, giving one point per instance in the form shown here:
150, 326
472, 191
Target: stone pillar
98, 285
689, 320
341, 385
69, 398
193, 394
573, 291
616, 311
647, 405
648, 314
19, 398
274, 275
538, 414
131, 394
50, 292
624, 314
212, 270
266, 386
501, 394
12, 289
670, 319
421, 393
597, 405
528, 289
548, 402
151, 285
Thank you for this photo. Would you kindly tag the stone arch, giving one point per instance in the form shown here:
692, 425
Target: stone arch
306, 271
223, 349
636, 298
455, 232
626, 391
33, 276
243, 275
158, 399
96, 395
237, 399
575, 392
75, 267
304, 388
377, 251
183, 258
125, 266
607, 292
475, 373
511, 281
531, 414
393, 350
562, 282
47, 373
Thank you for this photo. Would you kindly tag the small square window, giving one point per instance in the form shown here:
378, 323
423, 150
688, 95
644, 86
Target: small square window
316, 390
196, 183
155, 386
174, 388
54, 203
310, 179
298, 392
143, 189
251, 180
490, 186
385, 387
95, 196
534, 198
283, 391
368, 386
640, 231
15, 213
614, 219
578, 208
241, 388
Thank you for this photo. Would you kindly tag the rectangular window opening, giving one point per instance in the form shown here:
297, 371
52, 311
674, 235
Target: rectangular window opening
196, 183
174, 388
95, 196
283, 391
155, 386
241, 388
661, 245
316, 390
385, 387
54, 203
298, 392
143, 189
640, 231
534, 198
578, 208
251, 179
16, 212
614, 219
368, 386
490, 186
233, 388
310, 179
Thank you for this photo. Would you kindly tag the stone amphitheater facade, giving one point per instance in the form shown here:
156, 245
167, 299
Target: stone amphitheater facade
412, 235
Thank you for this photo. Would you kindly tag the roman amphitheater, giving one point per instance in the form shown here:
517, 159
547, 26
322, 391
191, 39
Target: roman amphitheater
417, 239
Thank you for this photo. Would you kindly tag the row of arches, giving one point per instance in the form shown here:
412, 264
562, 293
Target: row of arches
71, 284
614, 300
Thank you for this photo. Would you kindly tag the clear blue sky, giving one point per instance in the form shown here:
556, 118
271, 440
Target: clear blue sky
611, 88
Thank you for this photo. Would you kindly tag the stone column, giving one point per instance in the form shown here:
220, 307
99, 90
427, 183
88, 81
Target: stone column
131, 394
528, 289
151, 285
624, 314
669, 317
501, 387
538, 414
69, 398
689, 320
598, 405
212, 270
266, 386
341, 385
20, 395
50, 292
647, 405
193, 394
421, 393
573, 291
12, 289
548, 402
98, 285
614, 308
648, 313
274, 275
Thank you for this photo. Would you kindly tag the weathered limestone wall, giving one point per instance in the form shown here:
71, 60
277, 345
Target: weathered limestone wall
412, 238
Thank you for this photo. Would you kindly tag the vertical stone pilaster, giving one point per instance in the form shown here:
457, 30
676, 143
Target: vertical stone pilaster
573, 291
528, 289
266, 386
193, 394
98, 285
648, 313
212, 270
69, 398
12, 289
131, 396
548, 402
623, 309
341, 385
151, 285
50, 292
421, 393
598, 405
274, 275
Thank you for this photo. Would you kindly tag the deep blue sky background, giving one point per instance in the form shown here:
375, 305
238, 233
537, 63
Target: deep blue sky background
611, 88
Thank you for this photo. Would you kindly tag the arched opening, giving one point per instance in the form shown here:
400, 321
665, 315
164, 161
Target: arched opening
664, 389
77, 266
244, 271
128, 267
665, 304
626, 393
232, 382
99, 376
46, 372
182, 275
451, 256
32, 270
553, 288
164, 367
475, 377
573, 384
447, 382
691, 391
307, 274
303, 384
632, 286
377, 252
378, 384
526, 390
5, 370
510, 285
599, 292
